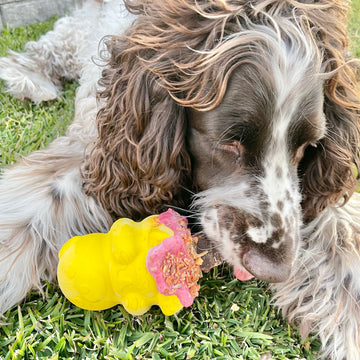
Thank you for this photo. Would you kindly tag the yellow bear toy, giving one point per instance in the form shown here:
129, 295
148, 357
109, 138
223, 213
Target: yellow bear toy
138, 265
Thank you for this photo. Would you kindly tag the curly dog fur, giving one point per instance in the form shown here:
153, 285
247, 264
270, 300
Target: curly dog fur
248, 112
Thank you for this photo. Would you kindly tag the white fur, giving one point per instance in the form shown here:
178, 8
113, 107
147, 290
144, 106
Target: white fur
323, 291
62, 53
33, 224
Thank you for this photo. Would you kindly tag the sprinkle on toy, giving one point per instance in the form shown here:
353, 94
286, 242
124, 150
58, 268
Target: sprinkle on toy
178, 270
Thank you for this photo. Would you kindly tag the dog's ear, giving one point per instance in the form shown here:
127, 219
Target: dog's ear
139, 162
330, 171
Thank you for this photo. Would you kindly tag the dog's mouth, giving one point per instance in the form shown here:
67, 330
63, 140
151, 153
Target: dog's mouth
212, 258
254, 264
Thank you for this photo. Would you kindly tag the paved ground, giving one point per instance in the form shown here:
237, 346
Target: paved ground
23, 12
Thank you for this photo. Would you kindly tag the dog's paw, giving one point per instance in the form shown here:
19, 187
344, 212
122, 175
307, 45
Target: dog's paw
23, 83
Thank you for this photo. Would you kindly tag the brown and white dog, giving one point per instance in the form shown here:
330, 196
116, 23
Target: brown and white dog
247, 112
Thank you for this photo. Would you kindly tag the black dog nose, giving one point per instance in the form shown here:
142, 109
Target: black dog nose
265, 269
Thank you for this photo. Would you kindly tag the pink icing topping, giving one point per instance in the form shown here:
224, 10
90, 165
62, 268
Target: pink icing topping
174, 263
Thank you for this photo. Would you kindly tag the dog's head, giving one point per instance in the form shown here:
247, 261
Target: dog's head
246, 151
233, 101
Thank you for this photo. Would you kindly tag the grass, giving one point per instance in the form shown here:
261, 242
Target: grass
229, 319
354, 27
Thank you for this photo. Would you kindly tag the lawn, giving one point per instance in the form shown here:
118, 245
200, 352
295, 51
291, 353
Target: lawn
229, 319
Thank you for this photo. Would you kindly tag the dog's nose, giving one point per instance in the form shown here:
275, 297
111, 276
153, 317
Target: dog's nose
265, 269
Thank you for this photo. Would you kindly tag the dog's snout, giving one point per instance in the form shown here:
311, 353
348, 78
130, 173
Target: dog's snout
263, 246
264, 268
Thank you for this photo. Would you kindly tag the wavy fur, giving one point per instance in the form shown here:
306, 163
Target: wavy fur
136, 148
323, 293
156, 62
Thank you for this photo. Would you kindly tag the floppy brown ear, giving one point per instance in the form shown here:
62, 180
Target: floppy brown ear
329, 172
139, 162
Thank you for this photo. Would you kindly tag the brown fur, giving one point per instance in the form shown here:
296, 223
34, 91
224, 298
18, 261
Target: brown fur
140, 161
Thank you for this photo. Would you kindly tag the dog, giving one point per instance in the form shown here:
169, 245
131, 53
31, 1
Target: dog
247, 113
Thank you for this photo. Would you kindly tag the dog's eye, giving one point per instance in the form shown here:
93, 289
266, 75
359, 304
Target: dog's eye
234, 148
301, 149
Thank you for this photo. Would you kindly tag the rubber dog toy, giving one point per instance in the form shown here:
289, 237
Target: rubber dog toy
138, 265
